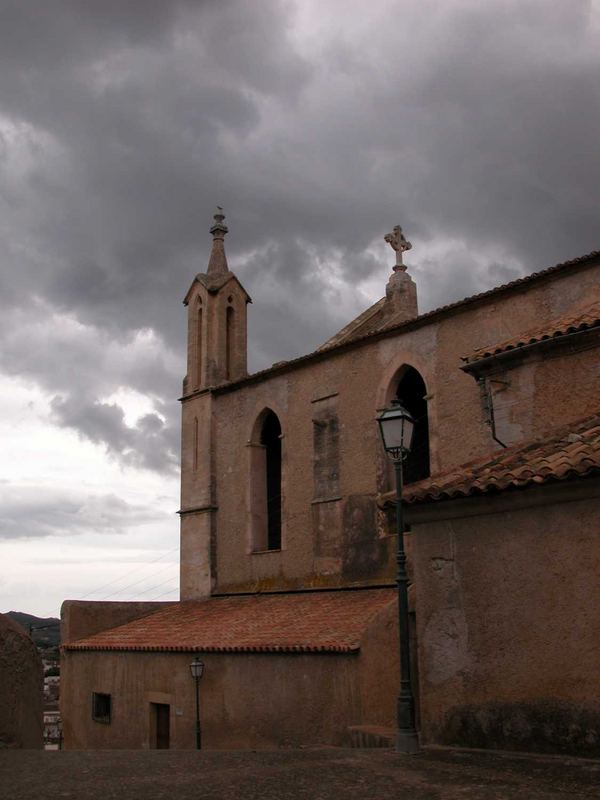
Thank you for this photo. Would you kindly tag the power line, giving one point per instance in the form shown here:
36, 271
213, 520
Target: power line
141, 580
164, 594
130, 572
158, 585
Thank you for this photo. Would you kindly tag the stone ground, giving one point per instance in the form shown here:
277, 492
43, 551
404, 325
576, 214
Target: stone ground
311, 774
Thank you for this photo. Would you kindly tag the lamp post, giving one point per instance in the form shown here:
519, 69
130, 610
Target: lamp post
197, 668
396, 427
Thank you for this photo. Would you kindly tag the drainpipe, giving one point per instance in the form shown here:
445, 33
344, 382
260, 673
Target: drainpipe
486, 391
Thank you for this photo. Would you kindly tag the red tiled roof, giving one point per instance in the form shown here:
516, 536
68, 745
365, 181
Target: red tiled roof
355, 337
573, 322
571, 452
303, 622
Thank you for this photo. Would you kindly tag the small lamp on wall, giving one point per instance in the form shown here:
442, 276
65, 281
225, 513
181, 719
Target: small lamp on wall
197, 670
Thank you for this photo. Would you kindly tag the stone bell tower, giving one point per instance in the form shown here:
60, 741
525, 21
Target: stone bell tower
217, 320
216, 354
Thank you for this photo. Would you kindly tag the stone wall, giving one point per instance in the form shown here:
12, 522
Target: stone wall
21, 688
327, 408
508, 616
552, 385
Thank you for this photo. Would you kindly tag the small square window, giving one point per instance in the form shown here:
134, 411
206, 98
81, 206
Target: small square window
101, 707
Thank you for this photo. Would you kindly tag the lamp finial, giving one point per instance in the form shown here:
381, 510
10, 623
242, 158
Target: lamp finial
217, 264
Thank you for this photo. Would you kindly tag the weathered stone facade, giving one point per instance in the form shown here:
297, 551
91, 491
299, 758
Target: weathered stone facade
508, 616
285, 488
327, 403
248, 699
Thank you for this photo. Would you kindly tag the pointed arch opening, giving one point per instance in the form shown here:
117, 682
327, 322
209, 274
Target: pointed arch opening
199, 343
411, 391
265, 483
195, 457
229, 342
409, 388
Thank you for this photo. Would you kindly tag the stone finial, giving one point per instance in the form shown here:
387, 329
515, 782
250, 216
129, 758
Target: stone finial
398, 242
217, 264
401, 291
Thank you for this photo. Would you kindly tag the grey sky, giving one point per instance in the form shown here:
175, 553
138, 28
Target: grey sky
318, 127
56, 514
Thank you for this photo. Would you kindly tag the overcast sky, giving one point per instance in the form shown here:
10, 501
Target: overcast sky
318, 126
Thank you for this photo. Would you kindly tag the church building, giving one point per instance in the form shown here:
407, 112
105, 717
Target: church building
288, 592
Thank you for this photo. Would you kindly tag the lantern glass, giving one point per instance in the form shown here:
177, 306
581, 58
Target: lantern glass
197, 668
396, 426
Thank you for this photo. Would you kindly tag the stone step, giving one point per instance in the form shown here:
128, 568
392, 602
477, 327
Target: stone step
371, 736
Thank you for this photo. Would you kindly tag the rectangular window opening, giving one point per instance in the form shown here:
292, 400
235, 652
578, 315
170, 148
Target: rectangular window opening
101, 707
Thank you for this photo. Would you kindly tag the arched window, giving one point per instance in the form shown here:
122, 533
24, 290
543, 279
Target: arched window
199, 344
271, 439
411, 393
265, 483
229, 342
195, 458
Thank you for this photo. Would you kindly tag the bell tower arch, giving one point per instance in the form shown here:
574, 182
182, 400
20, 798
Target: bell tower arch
217, 320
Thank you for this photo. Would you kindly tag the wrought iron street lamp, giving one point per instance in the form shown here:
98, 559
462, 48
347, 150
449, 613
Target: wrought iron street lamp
197, 668
396, 427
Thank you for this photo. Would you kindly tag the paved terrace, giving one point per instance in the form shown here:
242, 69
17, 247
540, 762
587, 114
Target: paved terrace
310, 774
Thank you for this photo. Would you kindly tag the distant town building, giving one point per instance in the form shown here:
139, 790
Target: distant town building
51, 688
52, 729
287, 539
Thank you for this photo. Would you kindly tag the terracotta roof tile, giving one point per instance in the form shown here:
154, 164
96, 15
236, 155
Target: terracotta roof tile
573, 322
572, 451
303, 622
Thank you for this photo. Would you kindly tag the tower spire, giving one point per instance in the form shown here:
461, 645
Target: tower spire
217, 264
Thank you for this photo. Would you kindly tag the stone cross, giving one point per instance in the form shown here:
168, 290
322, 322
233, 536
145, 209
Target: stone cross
398, 243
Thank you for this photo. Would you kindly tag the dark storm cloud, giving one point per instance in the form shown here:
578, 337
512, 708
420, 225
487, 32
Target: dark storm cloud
82, 366
151, 443
35, 513
475, 125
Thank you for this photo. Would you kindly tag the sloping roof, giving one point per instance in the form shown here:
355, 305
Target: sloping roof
572, 322
366, 321
374, 320
388, 327
573, 451
304, 622
212, 283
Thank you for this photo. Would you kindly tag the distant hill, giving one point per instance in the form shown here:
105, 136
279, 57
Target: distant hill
45, 631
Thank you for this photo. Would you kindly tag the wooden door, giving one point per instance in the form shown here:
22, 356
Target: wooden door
163, 714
